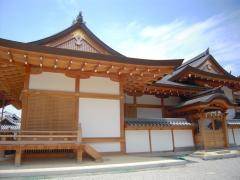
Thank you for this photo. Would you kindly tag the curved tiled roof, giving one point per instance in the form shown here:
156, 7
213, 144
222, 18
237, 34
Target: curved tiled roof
234, 122
161, 122
87, 55
204, 100
75, 26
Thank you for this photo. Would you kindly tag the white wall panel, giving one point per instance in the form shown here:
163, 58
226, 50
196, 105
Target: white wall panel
152, 113
99, 117
183, 138
137, 141
128, 99
161, 140
230, 114
99, 85
148, 99
171, 101
237, 135
230, 136
106, 147
228, 92
51, 81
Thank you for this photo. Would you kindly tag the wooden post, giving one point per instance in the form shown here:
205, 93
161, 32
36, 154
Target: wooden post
78, 124
225, 130
173, 140
233, 136
18, 156
122, 119
79, 155
150, 140
24, 99
202, 129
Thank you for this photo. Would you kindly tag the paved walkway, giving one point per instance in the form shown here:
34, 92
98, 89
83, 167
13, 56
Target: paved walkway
222, 169
38, 167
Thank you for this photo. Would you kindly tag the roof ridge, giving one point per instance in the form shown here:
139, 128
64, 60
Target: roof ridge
205, 53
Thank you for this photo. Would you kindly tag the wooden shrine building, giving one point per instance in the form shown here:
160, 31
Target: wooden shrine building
80, 96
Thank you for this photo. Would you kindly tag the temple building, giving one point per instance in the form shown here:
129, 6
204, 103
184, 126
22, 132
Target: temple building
80, 96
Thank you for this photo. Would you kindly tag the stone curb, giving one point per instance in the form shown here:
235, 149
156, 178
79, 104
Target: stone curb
89, 169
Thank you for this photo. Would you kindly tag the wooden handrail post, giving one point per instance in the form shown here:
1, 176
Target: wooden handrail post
79, 133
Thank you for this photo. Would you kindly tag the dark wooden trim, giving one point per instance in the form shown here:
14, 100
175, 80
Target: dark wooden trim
173, 140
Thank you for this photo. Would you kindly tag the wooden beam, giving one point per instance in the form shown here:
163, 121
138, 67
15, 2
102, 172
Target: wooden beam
101, 139
99, 96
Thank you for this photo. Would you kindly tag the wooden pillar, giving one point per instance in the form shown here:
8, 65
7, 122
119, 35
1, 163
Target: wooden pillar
18, 157
225, 130
77, 122
24, 98
122, 119
202, 129
234, 137
173, 140
79, 155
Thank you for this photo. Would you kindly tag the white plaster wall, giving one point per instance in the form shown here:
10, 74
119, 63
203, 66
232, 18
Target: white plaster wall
99, 85
99, 117
148, 99
161, 140
51, 81
237, 136
128, 99
183, 138
228, 92
137, 141
172, 100
230, 136
231, 113
152, 113
106, 147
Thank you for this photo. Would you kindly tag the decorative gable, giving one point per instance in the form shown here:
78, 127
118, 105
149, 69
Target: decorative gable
77, 37
78, 44
210, 66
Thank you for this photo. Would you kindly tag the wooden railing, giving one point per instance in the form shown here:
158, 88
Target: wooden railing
39, 137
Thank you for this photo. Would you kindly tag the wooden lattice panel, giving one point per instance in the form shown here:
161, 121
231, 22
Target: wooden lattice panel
50, 112
72, 44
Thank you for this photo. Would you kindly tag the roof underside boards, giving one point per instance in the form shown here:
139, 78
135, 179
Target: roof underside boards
162, 122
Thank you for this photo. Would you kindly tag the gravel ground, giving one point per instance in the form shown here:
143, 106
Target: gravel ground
222, 169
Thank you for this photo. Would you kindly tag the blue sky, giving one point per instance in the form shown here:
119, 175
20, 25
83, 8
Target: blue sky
157, 29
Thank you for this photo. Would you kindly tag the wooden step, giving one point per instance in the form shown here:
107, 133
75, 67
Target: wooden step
92, 152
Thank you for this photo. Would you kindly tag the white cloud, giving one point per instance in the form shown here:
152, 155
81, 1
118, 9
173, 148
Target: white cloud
181, 39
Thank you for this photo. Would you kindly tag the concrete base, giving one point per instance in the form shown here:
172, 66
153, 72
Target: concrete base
217, 154
109, 164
